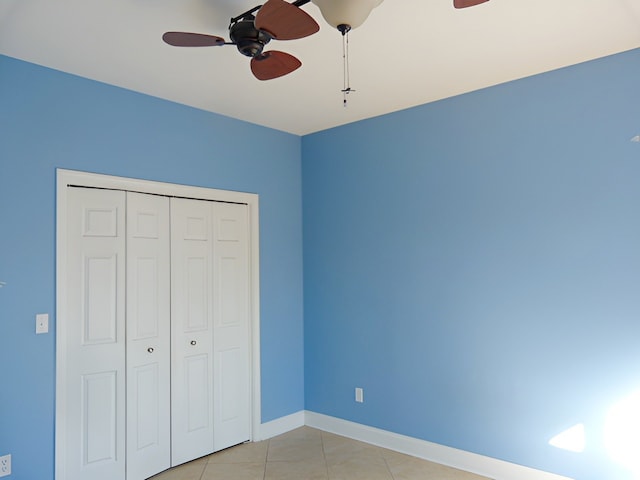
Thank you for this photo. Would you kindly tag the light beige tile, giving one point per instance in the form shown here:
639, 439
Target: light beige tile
392, 456
405, 467
246, 453
295, 451
305, 469
309, 454
300, 433
332, 437
234, 471
301, 444
188, 471
337, 448
362, 467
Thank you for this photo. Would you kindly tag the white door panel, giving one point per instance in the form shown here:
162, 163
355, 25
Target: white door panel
95, 335
99, 418
232, 374
148, 335
191, 334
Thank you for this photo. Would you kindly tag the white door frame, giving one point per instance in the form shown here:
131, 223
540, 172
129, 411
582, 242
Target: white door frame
85, 179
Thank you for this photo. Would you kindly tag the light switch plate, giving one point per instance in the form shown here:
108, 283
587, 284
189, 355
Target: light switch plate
42, 323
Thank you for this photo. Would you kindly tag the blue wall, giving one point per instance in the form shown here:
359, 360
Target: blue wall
48, 120
474, 265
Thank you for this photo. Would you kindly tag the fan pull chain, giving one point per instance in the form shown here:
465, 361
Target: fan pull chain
345, 66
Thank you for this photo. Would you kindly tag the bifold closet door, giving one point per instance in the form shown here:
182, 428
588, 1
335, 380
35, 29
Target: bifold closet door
117, 335
94, 337
156, 341
191, 330
211, 391
148, 336
231, 332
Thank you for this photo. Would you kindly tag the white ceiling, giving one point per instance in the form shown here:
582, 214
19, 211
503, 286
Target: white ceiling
408, 52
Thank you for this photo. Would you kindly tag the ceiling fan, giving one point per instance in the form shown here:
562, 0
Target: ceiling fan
252, 30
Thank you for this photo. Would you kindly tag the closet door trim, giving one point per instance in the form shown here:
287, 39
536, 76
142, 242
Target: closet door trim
66, 178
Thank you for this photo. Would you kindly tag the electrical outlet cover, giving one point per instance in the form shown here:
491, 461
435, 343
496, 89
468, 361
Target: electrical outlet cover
5, 465
42, 323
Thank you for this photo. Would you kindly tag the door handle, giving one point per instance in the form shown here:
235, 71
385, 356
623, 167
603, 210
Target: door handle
150, 349
193, 342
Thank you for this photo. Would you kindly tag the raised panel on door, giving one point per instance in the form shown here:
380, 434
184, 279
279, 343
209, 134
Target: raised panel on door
148, 336
232, 374
191, 330
94, 394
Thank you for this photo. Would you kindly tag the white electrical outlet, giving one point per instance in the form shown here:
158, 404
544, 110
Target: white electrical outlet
42, 323
359, 395
5, 465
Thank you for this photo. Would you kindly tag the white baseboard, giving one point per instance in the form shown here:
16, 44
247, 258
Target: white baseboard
280, 425
460, 459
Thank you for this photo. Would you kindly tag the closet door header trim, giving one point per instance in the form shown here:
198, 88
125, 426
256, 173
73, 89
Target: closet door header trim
95, 180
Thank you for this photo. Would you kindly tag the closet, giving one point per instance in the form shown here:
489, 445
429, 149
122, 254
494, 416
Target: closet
154, 350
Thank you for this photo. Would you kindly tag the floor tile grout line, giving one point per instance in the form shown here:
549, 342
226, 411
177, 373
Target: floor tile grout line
324, 455
204, 467
393, 477
266, 460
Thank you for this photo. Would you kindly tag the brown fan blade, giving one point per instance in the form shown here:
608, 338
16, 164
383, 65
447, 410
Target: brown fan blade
284, 21
273, 64
467, 3
186, 39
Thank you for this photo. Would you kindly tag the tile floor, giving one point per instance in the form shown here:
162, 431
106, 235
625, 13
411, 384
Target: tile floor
310, 454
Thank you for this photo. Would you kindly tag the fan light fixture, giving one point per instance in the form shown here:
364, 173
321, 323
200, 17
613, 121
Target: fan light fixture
346, 14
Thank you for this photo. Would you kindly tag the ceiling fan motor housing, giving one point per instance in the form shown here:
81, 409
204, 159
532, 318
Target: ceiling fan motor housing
248, 39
